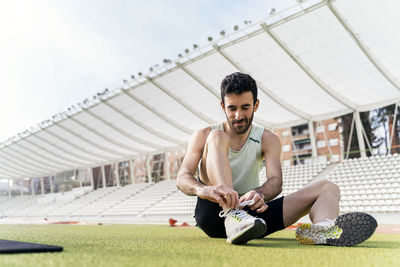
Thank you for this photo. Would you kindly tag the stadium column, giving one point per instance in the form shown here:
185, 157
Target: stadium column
131, 174
51, 184
42, 185
9, 187
116, 172
312, 140
148, 169
294, 150
91, 177
79, 179
360, 138
103, 176
32, 187
166, 166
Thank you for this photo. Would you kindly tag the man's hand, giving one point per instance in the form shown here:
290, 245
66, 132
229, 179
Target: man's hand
222, 194
258, 198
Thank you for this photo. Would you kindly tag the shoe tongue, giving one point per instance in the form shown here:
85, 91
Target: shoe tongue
241, 213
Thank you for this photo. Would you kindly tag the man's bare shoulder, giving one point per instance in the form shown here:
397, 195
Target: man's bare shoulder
199, 137
270, 139
204, 132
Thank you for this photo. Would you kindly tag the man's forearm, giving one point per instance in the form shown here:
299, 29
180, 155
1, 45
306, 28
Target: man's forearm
271, 188
188, 184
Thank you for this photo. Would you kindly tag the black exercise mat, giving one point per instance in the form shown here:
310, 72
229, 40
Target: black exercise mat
9, 246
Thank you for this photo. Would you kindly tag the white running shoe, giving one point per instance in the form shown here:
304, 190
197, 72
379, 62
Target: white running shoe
240, 226
347, 230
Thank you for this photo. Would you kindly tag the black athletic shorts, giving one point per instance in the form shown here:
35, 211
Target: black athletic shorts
207, 217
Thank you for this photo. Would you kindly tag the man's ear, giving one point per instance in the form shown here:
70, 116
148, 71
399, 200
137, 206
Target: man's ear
222, 105
256, 105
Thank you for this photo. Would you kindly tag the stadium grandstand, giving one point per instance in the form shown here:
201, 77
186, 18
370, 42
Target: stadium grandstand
321, 67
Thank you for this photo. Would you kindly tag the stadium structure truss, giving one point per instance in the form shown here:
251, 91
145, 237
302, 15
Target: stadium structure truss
316, 60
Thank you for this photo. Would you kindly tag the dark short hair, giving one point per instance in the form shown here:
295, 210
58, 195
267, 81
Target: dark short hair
238, 83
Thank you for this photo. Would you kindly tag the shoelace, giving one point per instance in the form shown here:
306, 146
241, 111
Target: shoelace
238, 211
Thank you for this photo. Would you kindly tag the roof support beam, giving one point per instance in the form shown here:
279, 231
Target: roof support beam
39, 165
62, 149
7, 175
47, 159
54, 154
350, 137
44, 149
144, 126
366, 139
108, 139
112, 151
33, 161
198, 79
10, 169
125, 133
385, 73
308, 71
73, 145
22, 163
180, 101
158, 114
209, 89
272, 95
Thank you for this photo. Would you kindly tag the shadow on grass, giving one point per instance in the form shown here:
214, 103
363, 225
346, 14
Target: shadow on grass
292, 243
274, 243
380, 244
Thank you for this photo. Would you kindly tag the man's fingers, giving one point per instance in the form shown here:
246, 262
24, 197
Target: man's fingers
263, 208
258, 203
236, 199
233, 199
247, 196
214, 197
228, 200
228, 195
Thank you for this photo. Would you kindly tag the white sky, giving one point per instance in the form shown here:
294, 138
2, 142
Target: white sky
55, 53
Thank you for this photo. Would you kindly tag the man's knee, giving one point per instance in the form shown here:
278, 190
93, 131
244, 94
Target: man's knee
207, 218
328, 187
218, 137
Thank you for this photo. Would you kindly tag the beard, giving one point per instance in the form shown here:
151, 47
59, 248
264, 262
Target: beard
245, 124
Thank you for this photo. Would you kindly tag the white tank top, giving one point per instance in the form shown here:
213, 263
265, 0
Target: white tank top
247, 162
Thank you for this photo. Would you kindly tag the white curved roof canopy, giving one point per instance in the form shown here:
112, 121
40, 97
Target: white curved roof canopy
314, 61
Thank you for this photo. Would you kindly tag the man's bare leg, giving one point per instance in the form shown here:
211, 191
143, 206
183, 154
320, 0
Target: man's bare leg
320, 200
215, 159
215, 169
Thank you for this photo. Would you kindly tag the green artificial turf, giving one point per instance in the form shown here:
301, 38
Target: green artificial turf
148, 245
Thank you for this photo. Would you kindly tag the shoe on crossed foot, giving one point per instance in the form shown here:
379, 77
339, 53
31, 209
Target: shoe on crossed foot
347, 230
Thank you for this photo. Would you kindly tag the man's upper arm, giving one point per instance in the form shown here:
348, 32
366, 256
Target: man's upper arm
194, 151
271, 149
